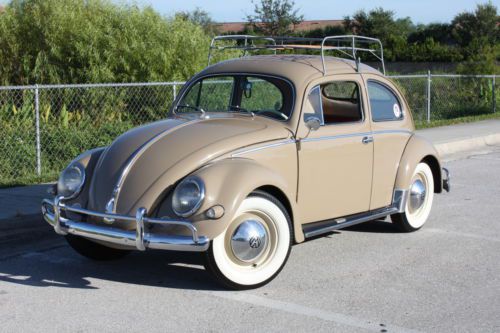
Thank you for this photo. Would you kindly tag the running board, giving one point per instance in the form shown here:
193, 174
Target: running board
318, 228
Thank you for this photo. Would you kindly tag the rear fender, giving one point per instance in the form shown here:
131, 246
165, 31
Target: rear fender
418, 150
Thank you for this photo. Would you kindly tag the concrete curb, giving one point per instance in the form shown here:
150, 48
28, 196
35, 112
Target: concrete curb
446, 149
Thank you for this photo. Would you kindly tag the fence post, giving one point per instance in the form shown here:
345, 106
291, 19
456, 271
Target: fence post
37, 121
175, 92
494, 95
429, 96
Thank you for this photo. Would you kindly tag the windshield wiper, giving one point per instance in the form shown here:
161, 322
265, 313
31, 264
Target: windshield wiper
196, 108
239, 108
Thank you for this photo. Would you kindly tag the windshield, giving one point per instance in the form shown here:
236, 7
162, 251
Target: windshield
265, 96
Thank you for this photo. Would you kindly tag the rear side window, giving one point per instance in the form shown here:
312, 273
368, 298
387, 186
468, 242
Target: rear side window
384, 104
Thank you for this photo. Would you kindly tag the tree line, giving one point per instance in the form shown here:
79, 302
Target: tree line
77, 41
471, 38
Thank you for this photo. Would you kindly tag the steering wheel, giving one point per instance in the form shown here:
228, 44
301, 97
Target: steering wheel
279, 114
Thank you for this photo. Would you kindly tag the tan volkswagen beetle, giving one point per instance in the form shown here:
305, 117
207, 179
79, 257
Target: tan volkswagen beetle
258, 153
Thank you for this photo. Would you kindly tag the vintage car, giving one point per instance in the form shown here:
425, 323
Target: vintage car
258, 153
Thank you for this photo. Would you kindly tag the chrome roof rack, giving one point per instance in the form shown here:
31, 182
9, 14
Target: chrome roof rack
345, 45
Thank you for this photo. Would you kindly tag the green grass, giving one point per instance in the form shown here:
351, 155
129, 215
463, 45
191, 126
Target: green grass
454, 121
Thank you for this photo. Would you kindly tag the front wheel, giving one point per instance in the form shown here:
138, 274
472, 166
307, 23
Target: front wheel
419, 201
254, 247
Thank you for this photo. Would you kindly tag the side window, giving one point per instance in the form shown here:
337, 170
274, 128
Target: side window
384, 104
340, 102
314, 100
261, 95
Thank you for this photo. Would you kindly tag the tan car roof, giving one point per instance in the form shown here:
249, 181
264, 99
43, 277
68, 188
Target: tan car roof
297, 68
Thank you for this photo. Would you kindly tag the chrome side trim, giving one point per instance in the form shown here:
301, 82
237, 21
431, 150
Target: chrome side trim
322, 138
334, 137
251, 150
138, 239
341, 136
398, 206
318, 228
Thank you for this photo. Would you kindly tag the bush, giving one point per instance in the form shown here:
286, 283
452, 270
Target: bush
75, 41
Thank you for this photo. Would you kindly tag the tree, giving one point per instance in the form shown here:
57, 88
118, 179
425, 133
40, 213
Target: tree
200, 17
380, 23
478, 34
482, 23
274, 17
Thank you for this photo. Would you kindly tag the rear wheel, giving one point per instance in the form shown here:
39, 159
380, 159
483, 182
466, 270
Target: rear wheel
419, 202
254, 247
94, 250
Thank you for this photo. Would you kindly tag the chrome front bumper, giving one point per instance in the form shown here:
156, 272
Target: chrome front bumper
139, 239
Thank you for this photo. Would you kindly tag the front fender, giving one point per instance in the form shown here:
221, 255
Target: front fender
417, 150
88, 160
227, 183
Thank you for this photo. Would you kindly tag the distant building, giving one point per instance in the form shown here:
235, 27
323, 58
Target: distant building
237, 27
2, 8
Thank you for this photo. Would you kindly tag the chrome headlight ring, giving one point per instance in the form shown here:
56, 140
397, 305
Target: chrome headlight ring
188, 196
71, 181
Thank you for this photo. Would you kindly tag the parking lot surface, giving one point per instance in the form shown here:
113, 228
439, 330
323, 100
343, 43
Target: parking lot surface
445, 277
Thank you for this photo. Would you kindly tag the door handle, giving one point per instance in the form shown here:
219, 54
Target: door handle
367, 139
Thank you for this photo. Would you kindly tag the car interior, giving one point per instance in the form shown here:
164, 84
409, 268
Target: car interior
341, 103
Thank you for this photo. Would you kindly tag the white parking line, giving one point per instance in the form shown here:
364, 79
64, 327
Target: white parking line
339, 318
462, 234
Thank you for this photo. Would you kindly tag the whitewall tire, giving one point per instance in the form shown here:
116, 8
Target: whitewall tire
419, 201
254, 247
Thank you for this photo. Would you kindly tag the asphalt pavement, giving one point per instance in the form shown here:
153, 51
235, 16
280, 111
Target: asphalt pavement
443, 278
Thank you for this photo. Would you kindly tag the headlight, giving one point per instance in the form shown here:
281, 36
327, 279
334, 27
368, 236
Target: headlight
71, 181
188, 196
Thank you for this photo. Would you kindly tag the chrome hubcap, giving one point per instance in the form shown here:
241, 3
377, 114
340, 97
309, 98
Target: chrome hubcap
417, 195
249, 240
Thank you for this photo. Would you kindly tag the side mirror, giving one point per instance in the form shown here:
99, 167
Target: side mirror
313, 123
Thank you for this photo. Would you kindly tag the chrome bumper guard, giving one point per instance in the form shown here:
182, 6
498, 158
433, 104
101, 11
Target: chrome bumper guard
446, 180
140, 239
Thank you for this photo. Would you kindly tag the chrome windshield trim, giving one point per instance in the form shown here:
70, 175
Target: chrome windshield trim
195, 79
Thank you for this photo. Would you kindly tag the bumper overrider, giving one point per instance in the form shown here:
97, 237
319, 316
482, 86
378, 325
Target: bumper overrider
139, 239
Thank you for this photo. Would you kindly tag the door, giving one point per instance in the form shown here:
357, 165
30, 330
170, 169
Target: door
392, 128
335, 161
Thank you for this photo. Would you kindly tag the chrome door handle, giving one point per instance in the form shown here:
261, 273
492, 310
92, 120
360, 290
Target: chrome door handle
367, 139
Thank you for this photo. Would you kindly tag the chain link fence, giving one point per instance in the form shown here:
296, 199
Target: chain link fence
42, 128
449, 96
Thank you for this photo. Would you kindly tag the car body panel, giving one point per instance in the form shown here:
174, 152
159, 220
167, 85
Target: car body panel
326, 156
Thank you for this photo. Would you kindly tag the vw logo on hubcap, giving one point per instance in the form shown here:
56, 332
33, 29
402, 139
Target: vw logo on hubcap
254, 242
249, 241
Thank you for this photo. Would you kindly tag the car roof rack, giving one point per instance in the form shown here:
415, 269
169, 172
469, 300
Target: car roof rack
345, 45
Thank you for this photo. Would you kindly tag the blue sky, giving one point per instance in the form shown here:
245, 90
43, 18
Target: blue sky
420, 11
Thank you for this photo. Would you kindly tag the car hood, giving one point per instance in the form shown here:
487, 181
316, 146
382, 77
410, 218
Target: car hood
167, 151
